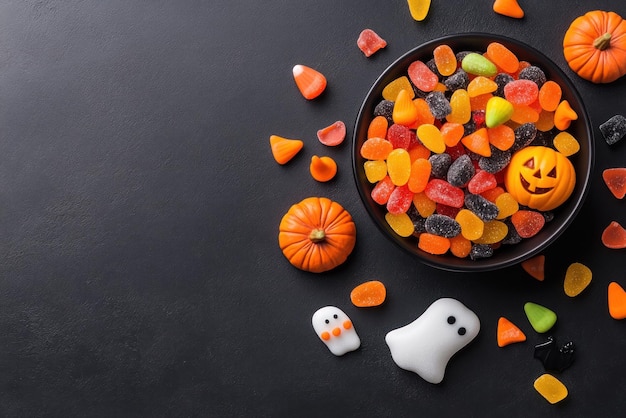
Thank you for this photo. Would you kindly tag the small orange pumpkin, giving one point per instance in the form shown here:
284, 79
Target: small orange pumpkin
540, 178
595, 46
317, 234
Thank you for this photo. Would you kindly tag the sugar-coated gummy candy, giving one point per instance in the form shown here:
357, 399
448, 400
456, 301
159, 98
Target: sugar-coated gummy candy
550, 95
399, 166
445, 60
375, 170
481, 251
461, 108
400, 136
378, 127
458, 80
478, 142
420, 174
376, 149
460, 246
524, 135
452, 133
534, 74
551, 388
422, 76
481, 85
431, 138
614, 236
368, 294
481, 207
419, 222
615, 180
384, 108
433, 244
577, 277
508, 333
502, 137
521, 92
482, 181
614, 129
442, 225
616, 301
370, 42
440, 163
424, 205
399, 200
382, 190
493, 233
472, 226
528, 223
400, 223
502, 79
336, 330
496, 162
391, 90
541, 318
477, 64
440, 191
460, 171
502, 57
566, 144
507, 205
438, 104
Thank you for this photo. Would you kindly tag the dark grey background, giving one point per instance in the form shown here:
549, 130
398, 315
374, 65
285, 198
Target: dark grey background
140, 273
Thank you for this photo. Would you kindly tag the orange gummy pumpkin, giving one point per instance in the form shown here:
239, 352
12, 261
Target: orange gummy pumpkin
595, 46
317, 234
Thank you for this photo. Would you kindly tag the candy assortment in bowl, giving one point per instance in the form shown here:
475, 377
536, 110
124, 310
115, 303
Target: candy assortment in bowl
473, 152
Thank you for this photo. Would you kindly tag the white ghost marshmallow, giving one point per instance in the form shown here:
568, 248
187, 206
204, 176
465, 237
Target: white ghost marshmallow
426, 345
335, 329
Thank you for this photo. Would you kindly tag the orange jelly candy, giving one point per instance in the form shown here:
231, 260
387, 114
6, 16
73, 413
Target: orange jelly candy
615, 180
614, 236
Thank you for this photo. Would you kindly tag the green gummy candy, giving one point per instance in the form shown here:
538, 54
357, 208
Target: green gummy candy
477, 64
498, 111
540, 317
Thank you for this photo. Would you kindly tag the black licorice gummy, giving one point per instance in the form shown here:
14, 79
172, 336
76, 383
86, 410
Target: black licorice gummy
438, 104
496, 162
458, 80
480, 251
524, 135
614, 129
481, 207
533, 73
502, 80
385, 108
442, 225
461, 171
439, 164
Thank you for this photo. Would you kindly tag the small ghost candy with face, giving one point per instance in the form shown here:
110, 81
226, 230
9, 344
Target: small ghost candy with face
426, 345
335, 329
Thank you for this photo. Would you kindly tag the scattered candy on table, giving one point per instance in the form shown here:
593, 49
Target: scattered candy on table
508, 333
551, 388
535, 266
615, 180
614, 236
419, 9
323, 168
368, 294
336, 330
510, 8
616, 301
310, 82
426, 345
369, 42
614, 129
284, 149
553, 357
333, 134
541, 318
577, 278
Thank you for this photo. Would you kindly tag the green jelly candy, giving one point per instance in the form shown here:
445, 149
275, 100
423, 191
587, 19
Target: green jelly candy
541, 318
477, 64
498, 111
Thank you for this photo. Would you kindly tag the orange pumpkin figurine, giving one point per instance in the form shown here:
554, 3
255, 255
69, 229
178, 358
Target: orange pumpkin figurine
540, 178
317, 234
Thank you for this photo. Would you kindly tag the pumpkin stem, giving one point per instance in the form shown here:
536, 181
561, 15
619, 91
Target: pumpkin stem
317, 235
602, 42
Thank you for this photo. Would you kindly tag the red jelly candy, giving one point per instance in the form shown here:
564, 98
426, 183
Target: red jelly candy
447, 210
521, 92
400, 136
614, 236
382, 190
527, 223
400, 200
423, 78
615, 179
440, 191
481, 182
369, 42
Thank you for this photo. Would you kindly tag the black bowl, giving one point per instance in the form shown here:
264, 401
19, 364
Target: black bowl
505, 255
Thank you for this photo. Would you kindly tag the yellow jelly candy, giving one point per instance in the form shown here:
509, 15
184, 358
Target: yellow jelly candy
472, 226
375, 170
391, 90
425, 207
399, 166
507, 205
577, 278
445, 60
400, 223
493, 231
419, 9
461, 107
431, 138
550, 388
481, 85
566, 144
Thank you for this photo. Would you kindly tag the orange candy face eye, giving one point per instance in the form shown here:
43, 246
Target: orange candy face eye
540, 178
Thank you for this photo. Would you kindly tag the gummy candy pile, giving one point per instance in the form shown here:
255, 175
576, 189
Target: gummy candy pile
442, 151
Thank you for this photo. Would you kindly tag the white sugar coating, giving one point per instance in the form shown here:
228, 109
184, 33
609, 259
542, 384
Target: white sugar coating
336, 330
426, 345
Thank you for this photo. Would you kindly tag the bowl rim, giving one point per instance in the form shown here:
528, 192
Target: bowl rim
575, 202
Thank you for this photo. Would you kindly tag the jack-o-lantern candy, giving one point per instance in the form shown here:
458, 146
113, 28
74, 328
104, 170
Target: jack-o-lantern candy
540, 178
